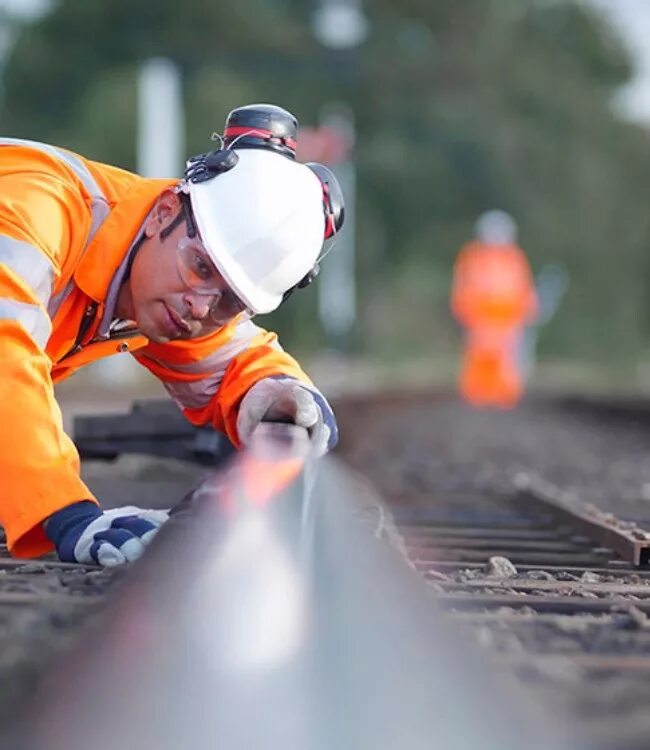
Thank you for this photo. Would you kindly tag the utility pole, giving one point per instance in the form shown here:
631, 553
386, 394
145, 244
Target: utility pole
340, 26
337, 293
160, 119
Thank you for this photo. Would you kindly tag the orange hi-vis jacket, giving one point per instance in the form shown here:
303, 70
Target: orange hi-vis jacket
66, 226
493, 286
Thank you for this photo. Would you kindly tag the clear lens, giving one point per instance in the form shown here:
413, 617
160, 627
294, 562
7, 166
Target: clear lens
196, 269
200, 275
223, 309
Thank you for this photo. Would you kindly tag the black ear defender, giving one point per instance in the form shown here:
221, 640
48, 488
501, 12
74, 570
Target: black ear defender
334, 212
333, 201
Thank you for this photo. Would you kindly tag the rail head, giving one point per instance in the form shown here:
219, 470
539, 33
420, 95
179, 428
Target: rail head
265, 615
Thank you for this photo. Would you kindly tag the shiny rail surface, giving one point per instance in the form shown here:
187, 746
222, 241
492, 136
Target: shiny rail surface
269, 613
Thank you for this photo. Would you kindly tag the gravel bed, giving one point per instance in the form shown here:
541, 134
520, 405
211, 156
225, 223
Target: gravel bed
431, 445
43, 609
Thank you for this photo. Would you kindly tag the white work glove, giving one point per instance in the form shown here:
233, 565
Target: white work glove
83, 533
285, 399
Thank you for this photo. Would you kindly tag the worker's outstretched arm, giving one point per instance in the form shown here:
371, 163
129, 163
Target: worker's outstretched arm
44, 225
39, 465
238, 377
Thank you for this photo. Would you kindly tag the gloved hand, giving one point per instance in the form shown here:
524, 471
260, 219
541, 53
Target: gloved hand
83, 533
285, 399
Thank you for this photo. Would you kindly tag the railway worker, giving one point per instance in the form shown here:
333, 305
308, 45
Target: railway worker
494, 299
95, 260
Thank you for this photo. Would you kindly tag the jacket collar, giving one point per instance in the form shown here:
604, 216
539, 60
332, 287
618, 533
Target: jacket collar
115, 237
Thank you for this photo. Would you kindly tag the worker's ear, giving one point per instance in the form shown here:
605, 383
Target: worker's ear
163, 213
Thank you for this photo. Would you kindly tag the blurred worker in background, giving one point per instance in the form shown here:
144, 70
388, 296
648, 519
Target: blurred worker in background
95, 260
494, 298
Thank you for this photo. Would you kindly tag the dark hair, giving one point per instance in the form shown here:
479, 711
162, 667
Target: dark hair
184, 215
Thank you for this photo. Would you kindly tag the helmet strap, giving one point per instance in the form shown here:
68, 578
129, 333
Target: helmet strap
184, 215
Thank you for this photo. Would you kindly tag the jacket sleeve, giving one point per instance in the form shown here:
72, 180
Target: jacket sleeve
39, 464
208, 377
461, 292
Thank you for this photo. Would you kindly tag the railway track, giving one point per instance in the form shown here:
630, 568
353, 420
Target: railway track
556, 592
560, 611
260, 617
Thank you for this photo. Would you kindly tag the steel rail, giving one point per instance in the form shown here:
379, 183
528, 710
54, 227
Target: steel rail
267, 615
32, 566
561, 604
30, 599
627, 539
527, 586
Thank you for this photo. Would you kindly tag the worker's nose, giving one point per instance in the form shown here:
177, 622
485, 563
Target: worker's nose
198, 305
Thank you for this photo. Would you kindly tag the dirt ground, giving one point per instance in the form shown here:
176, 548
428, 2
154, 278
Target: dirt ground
436, 443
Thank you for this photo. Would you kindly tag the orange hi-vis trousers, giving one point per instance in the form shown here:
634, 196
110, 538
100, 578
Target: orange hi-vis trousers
490, 374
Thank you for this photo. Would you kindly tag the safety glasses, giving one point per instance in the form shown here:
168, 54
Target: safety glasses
201, 276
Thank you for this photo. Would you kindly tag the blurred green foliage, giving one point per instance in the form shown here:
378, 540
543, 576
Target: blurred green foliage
460, 106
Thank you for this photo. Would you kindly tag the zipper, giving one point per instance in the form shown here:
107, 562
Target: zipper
86, 322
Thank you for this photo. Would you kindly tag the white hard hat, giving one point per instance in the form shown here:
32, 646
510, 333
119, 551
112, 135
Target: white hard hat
496, 228
262, 222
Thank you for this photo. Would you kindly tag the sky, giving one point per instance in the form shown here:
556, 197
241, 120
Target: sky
633, 19
24, 8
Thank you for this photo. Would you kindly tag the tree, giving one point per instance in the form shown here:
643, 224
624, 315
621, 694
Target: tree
459, 106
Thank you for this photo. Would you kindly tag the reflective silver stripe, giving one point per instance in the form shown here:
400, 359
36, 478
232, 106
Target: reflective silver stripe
31, 317
29, 264
194, 395
99, 207
59, 298
219, 360
198, 393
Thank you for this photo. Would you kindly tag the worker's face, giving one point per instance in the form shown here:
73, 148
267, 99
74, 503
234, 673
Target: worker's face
157, 296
